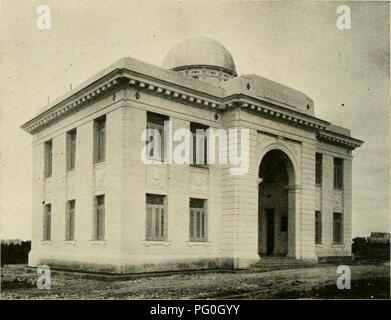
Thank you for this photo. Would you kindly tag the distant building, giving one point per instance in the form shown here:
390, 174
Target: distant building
98, 206
379, 237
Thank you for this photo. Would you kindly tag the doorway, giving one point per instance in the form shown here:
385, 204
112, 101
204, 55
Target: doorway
275, 207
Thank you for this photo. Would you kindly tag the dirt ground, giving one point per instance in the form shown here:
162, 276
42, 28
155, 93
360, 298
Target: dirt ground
369, 281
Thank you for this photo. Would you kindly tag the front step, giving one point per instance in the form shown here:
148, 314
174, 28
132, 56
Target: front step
280, 263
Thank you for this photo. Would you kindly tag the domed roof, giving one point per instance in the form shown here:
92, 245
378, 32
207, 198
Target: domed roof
199, 52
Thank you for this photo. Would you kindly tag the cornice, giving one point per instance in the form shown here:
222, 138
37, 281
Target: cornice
338, 139
221, 104
77, 101
123, 78
276, 112
180, 94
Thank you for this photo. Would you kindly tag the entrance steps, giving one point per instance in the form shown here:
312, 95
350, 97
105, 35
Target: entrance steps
270, 263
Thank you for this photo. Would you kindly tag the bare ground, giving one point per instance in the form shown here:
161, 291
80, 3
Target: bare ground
369, 281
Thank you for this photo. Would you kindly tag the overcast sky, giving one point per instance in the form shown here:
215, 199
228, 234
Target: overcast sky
296, 44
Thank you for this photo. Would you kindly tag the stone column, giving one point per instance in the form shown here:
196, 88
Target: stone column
113, 179
327, 203
294, 221
58, 200
38, 196
347, 206
134, 185
306, 219
240, 205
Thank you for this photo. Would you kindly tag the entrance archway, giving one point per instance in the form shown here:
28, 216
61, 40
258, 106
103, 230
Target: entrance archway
276, 209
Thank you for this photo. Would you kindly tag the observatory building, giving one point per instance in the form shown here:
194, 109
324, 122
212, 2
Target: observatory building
100, 205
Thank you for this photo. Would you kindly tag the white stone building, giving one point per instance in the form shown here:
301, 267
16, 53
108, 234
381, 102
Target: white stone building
97, 206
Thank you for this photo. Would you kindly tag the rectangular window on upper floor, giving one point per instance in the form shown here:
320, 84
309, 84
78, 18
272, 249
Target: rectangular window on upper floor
100, 139
338, 173
71, 149
318, 169
199, 150
156, 136
48, 158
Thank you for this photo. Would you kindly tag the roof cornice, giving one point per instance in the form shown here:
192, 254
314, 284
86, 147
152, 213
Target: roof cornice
276, 111
74, 103
339, 139
122, 78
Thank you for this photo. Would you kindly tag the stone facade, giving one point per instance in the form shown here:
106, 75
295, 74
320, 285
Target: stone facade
125, 92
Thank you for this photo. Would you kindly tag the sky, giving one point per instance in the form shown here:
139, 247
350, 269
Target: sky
345, 72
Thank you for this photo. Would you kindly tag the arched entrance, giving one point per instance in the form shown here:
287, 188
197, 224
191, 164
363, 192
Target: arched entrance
276, 235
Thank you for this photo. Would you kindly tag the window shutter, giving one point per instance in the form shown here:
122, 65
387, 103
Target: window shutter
337, 228
162, 142
96, 140
157, 223
73, 150
338, 173
150, 147
149, 223
156, 217
200, 137
68, 151
50, 156
72, 155
99, 218
191, 224
70, 225
48, 223
198, 224
67, 223
99, 234
48, 150
73, 224
99, 139
162, 223
205, 224
102, 142
44, 224
194, 151
202, 225
318, 227
165, 224
206, 150
102, 223
96, 223
198, 220
318, 173
72, 221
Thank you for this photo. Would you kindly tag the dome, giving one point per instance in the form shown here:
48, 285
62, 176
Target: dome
200, 52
